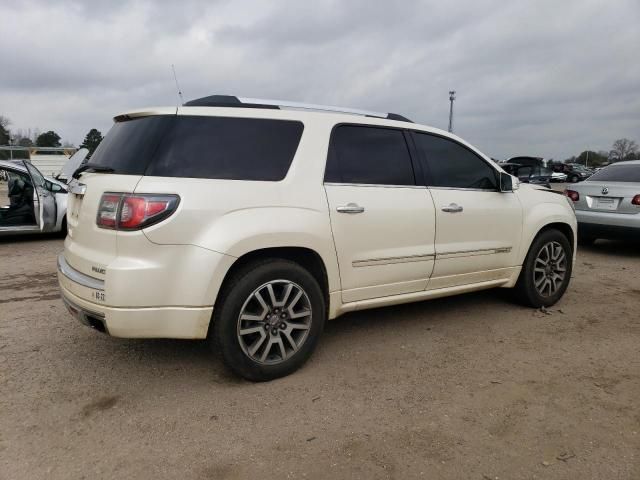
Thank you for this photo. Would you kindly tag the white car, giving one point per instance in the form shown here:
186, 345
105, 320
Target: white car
42, 209
608, 203
558, 177
251, 222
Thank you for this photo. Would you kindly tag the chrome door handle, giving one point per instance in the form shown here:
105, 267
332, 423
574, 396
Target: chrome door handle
452, 208
350, 208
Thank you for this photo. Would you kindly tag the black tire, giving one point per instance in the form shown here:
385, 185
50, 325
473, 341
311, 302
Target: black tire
63, 227
574, 179
526, 291
224, 335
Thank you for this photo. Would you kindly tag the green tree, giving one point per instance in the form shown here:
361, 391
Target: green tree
48, 139
591, 158
91, 141
25, 142
4, 130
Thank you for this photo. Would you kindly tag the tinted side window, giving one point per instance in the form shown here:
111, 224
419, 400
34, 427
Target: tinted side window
200, 147
452, 165
369, 155
227, 148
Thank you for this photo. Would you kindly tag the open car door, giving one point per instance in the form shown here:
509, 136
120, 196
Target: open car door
46, 201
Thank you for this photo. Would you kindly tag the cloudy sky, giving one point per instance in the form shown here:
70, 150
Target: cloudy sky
547, 78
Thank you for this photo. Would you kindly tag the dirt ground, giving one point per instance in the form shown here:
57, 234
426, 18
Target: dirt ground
470, 387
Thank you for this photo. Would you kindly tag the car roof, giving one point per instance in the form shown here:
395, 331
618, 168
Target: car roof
285, 110
624, 162
15, 164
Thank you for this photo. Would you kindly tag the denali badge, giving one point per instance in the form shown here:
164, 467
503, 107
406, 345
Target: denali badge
605, 190
101, 271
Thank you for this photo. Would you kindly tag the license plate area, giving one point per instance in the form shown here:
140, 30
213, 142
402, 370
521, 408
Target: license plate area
605, 203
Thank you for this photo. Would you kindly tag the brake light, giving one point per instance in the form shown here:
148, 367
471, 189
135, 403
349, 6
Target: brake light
636, 200
125, 211
572, 194
108, 210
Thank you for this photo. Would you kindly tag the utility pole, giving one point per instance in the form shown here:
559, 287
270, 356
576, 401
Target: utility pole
452, 97
10, 147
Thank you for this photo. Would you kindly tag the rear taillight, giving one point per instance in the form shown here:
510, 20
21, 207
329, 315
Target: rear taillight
636, 200
572, 194
126, 211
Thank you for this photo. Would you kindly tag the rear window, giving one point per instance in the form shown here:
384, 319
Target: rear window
617, 173
130, 145
202, 147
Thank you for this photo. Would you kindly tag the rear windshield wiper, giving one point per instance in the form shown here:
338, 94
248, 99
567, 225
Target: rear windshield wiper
91, 166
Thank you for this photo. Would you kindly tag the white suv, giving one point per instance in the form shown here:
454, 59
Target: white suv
251, 222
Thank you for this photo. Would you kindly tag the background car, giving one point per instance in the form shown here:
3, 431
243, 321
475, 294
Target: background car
608, 203
29, 202
536, 175
574, 171
558, 176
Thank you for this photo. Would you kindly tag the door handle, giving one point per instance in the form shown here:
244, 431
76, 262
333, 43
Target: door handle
350, 208
452, 208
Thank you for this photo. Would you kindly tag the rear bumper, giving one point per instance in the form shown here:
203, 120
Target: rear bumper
613, 232
136, 322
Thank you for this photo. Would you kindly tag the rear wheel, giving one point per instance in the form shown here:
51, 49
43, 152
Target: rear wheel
269, 319
574, 178
546, 271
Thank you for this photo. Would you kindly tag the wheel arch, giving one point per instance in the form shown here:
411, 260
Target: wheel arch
306, 257
563, 227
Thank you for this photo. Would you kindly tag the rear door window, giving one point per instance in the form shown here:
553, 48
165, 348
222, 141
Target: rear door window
452, 165
369, 155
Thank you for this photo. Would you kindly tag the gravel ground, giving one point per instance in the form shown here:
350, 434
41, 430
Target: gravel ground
470, 387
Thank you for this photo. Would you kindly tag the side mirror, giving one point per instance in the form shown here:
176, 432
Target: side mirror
508, 183
54, 187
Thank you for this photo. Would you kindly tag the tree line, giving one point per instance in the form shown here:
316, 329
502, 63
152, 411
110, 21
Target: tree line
621, 150
37, 139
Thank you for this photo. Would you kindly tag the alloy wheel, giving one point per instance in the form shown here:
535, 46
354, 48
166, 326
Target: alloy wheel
549, 269
274, 322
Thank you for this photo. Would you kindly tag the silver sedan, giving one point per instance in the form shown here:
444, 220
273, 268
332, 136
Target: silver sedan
608, 203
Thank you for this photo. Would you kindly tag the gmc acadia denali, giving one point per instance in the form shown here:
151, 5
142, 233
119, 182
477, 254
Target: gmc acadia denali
251, 222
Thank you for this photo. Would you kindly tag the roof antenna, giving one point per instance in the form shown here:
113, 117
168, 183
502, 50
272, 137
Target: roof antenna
175, 77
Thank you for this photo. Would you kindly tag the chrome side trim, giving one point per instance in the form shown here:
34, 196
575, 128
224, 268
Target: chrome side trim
465, 189
75, 276
469, 253
371, 185
391, 260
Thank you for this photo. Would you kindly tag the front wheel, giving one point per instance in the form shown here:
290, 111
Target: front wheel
574, 179
546, 271
269, 319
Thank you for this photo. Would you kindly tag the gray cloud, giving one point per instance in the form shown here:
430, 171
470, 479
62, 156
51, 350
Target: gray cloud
547, 78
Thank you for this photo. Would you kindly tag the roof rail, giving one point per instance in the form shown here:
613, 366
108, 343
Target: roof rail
244, 102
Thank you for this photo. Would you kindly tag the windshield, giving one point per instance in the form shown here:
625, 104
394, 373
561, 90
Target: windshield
618, 173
